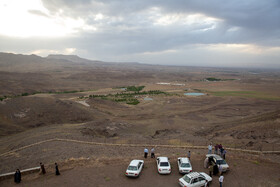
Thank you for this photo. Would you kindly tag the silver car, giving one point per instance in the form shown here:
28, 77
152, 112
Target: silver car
218, 160
184, 165
134, 169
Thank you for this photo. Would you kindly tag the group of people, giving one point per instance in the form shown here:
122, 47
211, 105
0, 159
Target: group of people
146, 152
219, 150
17, 175
215, 169
43, 170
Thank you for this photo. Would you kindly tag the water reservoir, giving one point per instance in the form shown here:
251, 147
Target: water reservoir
194, 94
148, 99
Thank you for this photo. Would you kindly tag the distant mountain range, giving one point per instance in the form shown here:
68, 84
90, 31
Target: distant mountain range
72, 58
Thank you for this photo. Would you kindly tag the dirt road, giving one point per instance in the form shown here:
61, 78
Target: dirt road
243, 173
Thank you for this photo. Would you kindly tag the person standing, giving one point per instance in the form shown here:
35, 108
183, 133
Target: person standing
43, 171
153, 153
220, 169
206, 162
210, 169
17, 176
221, 149
146, 151
221, 180
56, 169
224, 154
215, 169
220, 146
210, 148
216, 149
189, 155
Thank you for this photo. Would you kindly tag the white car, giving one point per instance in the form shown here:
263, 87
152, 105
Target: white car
134, 169
184, 165
194, 179
217, 159
163, 165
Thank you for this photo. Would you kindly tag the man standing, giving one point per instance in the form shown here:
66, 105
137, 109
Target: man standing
56, 169
220, 169
210, 169
146, 151
189, 155
224, 154
221, 180
210, 148
153, 153
221, 149
220, 146
216, 149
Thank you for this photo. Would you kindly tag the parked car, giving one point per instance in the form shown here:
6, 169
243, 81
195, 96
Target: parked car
217, 159
163, 165
194, 179
184, 165
134, 169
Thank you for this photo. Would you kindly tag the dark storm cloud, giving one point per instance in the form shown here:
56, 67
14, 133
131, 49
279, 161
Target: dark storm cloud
250, 13
134, 28
255, 21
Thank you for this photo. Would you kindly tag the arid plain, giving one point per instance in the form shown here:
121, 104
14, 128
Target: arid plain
70, 98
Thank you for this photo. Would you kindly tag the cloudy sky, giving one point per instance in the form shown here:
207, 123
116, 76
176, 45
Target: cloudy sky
232, 33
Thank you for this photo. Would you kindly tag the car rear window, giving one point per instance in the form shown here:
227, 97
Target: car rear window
187, 179
164, 164
185, 165
133, 168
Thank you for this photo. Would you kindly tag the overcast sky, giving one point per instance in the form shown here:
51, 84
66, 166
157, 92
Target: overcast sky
231, 33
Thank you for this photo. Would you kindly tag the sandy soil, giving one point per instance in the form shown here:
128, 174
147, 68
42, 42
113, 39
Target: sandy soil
247, 121
107, 172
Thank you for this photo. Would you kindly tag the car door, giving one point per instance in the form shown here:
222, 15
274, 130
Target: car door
158, 161
179, 164
201, 181
195, 182
140, 166
215, 160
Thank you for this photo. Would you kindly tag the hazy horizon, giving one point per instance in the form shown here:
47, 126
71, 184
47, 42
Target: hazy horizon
182, 33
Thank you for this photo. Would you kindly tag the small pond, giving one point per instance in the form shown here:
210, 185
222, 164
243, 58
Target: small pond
148, 99
194, 94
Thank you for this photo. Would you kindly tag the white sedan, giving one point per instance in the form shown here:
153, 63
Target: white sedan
184, 165
194, 179
134, 169
218, 160
163, 165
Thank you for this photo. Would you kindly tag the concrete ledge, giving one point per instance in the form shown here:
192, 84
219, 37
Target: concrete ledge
23, 172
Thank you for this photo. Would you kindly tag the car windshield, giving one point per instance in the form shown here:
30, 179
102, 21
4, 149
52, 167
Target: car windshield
164, 164
185, 165
187, 179
221, 162
133, 168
